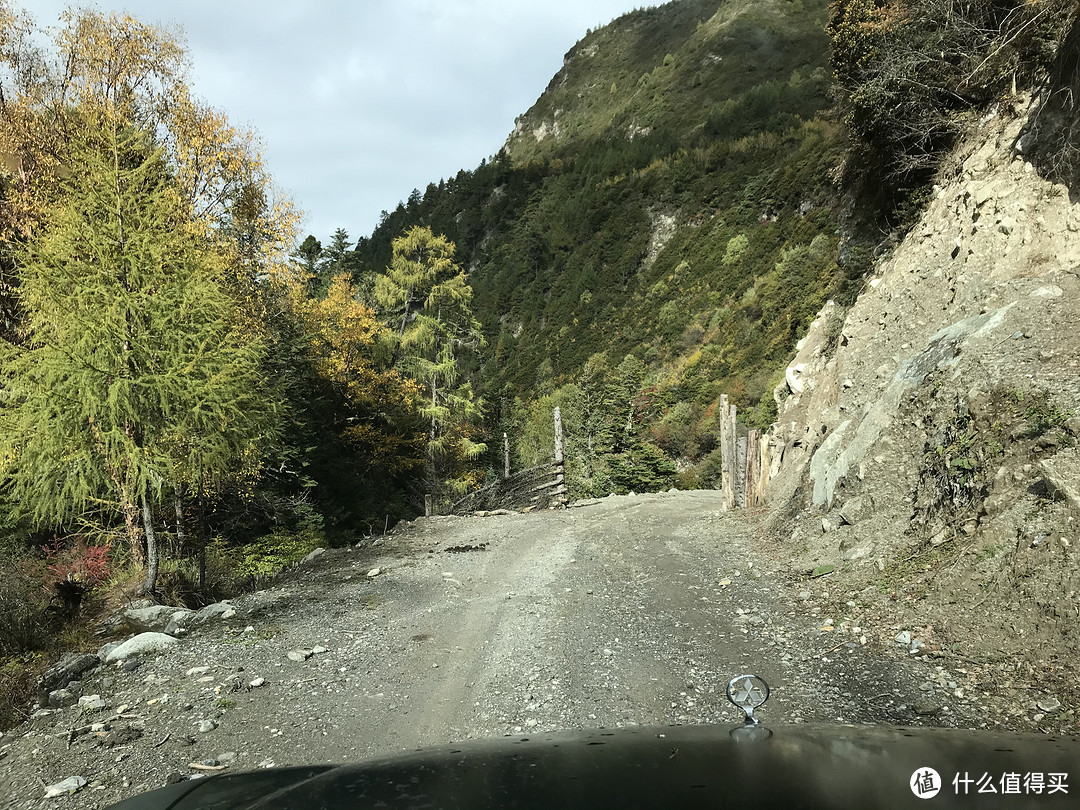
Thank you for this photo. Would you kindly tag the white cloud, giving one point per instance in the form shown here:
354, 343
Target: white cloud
359, 102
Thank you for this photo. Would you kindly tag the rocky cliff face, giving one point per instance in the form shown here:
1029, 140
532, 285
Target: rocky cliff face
927, 437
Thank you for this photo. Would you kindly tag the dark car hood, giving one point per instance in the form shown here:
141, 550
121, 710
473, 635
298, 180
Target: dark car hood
787, 767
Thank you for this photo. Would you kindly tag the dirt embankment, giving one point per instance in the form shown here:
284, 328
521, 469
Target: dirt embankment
929, 434
629, 610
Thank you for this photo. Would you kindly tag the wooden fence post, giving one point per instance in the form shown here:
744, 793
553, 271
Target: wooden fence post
506, 456
725, 453
740, 472
728, 453
753, 468
427, 506
764, 469
560, 467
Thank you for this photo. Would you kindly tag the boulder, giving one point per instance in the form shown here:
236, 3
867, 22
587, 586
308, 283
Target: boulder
142, 644
1061, 476
218, 610
181, 616
60, 674
92, 703
150, 617
314, 555
856, 509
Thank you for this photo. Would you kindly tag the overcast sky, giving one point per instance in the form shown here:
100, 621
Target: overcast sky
360, 102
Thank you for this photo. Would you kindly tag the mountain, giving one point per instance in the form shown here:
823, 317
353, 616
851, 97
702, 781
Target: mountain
672, 196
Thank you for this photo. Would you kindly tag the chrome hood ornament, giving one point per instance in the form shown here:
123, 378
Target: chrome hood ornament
748, 692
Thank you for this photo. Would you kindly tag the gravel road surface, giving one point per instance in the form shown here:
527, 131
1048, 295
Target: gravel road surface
627, 610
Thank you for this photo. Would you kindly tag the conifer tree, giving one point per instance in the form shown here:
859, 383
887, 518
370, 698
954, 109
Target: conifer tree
132, 369
428, 304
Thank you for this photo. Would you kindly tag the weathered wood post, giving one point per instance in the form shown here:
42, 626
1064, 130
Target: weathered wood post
728, 450
764, 469
427, 506
560, 467
506, 457
753, 468
740, 472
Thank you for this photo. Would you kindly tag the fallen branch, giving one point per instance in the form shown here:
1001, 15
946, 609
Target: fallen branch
834, 649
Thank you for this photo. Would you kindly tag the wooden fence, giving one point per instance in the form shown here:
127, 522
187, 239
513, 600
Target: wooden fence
744, 459
540, 487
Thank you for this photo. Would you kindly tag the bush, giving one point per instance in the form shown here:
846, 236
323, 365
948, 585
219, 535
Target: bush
24, 603
710, 470
18, 678
912, 72
256, 563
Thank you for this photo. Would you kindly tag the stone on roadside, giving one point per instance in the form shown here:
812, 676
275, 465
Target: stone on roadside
72, 784
255, 684
855, 510
314, 555
141, 644
68, 669
300, 655
206, 726
374, 572
214, 611
91, 703
926, 707
61, 698
903, 638
1050, 704
152, 617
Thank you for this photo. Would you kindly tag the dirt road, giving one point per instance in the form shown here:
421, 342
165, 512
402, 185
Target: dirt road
629, 610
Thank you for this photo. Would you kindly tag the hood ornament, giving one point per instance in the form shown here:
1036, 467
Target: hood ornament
748, 692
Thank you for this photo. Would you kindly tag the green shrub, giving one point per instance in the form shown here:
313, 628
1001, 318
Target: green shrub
1040, 415
644, 467
18, 677
258, 562
709, 470
24, 603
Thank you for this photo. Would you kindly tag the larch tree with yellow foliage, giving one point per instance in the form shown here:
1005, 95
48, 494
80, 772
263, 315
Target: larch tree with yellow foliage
138, 225
427, 304
132, 361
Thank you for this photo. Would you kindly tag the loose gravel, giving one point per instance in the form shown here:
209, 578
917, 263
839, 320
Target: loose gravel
626, 610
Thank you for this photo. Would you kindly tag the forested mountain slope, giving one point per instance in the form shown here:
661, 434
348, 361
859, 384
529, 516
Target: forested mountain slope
670, 196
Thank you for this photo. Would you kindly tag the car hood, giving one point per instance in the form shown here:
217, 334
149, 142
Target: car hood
751, 766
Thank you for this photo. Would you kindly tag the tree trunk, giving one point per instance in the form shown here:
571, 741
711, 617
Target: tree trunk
201, 534
178, 506
131, 529
151, 548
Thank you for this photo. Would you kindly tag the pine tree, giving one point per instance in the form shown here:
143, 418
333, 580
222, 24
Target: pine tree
133, 370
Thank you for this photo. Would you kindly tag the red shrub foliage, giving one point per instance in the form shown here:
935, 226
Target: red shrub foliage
76, 560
